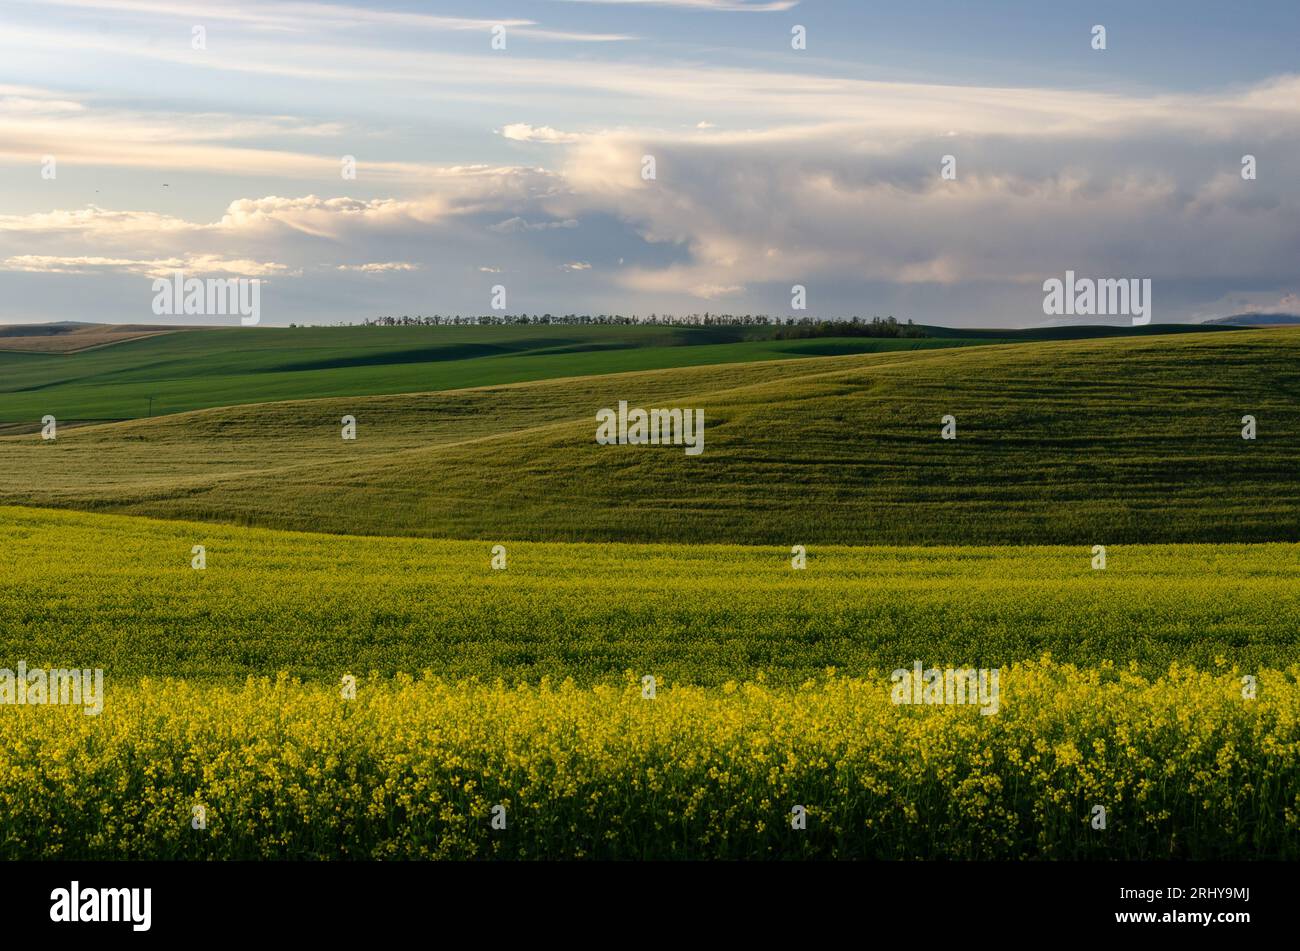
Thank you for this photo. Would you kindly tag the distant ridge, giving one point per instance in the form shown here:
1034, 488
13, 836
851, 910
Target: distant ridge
42, 330
1255, 320
70, 336
1067, 331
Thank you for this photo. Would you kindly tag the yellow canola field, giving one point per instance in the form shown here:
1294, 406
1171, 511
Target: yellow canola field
1184, 765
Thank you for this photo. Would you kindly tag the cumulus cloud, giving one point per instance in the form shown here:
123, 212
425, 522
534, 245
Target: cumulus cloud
835, 204
283, 236
522, 132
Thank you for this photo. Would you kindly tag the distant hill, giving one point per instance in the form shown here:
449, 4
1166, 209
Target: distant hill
42, 330
1064, 332
176, 372
1133, 439
1254, 320
71, 336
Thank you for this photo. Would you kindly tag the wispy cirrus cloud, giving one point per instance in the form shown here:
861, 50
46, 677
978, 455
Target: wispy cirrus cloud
725, 6
194, 264
290, 17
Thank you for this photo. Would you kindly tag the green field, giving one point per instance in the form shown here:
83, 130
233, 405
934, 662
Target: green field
1164, 686
120, 593
1131, 440
772, 692
205, 368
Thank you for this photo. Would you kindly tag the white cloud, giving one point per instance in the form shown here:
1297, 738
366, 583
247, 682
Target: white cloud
518, 225
94, 221
379, 267
523, 132
834, 182
758, 97
193, 265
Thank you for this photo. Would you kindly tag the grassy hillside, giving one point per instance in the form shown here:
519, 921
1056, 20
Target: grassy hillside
120, 594
1068, 332
205, 368
71, 336
227, 367
1133, 440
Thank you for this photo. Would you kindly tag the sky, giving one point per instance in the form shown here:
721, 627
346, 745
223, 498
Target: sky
139, 138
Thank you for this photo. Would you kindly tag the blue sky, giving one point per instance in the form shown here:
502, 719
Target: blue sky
520, 167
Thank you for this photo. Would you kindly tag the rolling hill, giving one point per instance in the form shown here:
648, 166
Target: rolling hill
1254, 320
179, 372
1133, 439
70, 336
202, 368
